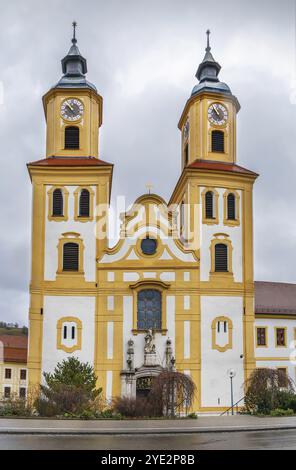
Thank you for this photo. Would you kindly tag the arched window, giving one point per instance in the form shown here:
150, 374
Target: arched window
70, 257
57, 203
231, 206
149, 309
209, 203
84, 203
221, 257
72, 137
218, 141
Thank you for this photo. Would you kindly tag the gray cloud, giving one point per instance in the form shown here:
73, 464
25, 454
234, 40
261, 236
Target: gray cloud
142, 55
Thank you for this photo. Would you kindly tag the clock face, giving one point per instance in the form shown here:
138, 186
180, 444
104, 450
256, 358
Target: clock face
72, 109
217, 114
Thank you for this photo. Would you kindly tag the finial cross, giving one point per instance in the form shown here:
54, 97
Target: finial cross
208, 32
74, 24
149, 186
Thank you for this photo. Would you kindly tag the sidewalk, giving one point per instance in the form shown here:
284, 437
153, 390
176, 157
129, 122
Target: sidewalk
107, 427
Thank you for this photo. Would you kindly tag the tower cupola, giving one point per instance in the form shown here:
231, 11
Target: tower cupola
74, 67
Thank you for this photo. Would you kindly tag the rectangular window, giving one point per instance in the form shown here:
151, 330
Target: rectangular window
225, 327
261, 337
22, 392
73, 332
283, 377
280, 337
23, 374
218, 327
8, 373
65, 332
6, 392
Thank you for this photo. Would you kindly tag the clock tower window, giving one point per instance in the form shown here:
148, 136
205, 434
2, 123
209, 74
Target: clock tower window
71, 257
221, 257
72, 137
218, 141
84, 203
57, 203
209, 202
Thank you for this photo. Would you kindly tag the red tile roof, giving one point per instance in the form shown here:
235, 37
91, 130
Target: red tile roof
220, 166
15, 348
70, 161
275, 298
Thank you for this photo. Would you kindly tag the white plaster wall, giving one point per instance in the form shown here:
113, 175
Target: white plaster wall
235, 235
139, 342
271, 350
215, 382
56, 307
54, 230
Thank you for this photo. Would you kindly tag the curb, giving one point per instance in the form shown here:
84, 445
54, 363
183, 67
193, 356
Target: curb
154, 431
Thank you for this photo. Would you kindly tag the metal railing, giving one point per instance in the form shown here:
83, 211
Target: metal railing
232, 408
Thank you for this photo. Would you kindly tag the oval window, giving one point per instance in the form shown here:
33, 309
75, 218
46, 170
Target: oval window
148, 246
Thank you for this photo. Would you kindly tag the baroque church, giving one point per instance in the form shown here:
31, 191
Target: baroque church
177, 290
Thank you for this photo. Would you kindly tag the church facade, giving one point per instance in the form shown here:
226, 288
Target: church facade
177, 290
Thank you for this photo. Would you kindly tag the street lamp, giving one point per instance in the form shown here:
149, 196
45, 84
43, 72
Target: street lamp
231, 374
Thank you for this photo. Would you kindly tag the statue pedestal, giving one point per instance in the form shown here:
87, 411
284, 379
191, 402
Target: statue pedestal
149, 359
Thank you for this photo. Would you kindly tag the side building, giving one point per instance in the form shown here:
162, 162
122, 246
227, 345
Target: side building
13, 366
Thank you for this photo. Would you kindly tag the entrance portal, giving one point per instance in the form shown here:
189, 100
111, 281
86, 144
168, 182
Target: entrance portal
144, 385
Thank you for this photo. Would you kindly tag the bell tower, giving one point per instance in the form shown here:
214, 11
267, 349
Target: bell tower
208, 121
71, 191
73, 109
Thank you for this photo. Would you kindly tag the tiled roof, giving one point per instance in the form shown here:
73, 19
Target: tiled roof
70, 161
15, 348
220, 166
275, 298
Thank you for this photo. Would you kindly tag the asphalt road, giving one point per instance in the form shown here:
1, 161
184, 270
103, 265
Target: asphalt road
282, 439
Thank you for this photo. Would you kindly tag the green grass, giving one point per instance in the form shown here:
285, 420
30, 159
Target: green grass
11, 331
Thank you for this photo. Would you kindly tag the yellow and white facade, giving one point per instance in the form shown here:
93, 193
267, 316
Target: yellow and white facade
201, 316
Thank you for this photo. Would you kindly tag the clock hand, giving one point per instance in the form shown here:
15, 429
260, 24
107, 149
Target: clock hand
215, 109
70, 106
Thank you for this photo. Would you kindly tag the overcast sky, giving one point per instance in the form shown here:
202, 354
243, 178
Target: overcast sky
142, 55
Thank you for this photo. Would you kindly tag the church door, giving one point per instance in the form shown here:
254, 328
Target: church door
144, 385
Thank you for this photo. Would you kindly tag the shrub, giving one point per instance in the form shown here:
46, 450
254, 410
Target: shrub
282, 412
265, 394
139, 407
14, 407
172, 392
71, 388
192, 416
45, 407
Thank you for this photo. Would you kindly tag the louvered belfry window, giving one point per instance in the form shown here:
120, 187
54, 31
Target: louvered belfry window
218, 141
221, 257
84, 203
72, 137
70, 257
231, 207
57, 203
209, 202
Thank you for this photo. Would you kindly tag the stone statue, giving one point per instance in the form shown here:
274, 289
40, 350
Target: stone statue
130, 355
168, 353
149, 347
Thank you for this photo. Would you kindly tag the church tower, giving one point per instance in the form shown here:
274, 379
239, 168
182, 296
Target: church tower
214, 195
68, 229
